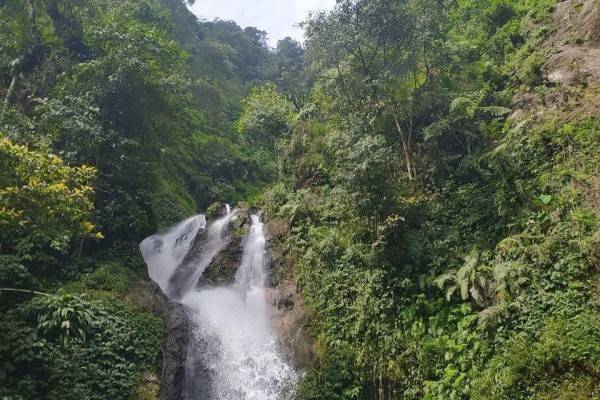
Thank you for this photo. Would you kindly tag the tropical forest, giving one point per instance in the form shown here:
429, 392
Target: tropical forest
402, 205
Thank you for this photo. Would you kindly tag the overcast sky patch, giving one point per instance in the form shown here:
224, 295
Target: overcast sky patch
277, 17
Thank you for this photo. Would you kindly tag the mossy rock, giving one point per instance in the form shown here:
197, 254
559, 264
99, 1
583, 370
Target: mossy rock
215, 210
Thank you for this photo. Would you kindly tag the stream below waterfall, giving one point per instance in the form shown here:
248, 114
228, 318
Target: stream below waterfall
232, 352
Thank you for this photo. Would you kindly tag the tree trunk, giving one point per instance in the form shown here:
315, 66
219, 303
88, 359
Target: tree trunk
9, 93
24, 291
407, 147
31, 4
381, 393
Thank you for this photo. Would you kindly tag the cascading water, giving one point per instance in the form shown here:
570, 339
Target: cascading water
164, 253
186, 276
232, 353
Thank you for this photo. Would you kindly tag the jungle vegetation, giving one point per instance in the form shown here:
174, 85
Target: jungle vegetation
444, 241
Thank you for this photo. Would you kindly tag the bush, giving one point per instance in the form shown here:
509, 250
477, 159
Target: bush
13, 273
110, 276
567, 354
336, 377
37, 364
214, 210
530, 72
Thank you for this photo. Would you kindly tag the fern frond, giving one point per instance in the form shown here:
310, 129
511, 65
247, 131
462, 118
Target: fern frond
443, 279
495, 111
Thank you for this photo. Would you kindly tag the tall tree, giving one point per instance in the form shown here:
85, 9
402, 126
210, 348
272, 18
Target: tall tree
383, 58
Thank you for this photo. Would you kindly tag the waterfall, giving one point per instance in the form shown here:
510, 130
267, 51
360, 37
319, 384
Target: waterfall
164, 253
232, 353
193, 265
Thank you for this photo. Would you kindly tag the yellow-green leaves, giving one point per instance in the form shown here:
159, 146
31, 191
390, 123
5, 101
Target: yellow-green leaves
44, 204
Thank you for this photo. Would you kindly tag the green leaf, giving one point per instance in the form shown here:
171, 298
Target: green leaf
545, 198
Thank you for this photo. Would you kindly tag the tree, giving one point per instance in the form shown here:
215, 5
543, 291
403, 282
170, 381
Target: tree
45, 206
292, 79
383, 59
266, 116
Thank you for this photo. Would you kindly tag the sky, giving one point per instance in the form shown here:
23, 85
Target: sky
277, 17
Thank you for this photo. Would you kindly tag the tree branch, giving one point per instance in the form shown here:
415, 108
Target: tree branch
24, 291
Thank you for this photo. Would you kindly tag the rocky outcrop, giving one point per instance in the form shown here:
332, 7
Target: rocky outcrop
178, 283
287, 313
146, 295
174, 348
571, 66
224, 265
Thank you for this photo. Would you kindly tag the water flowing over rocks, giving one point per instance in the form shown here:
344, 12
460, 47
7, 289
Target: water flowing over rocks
224, 265
219, 340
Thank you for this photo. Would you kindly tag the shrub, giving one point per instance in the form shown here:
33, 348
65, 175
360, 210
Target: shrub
530, 72
37, 364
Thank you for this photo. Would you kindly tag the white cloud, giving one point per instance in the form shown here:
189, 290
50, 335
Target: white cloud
277, 17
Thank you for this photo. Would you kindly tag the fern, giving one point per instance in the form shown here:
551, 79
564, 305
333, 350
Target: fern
495, 111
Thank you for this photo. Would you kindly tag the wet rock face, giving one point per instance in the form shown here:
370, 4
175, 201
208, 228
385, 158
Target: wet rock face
216, 210
279, 261
288, 316
290, 321
187, 268
224, 265
171, 365
175, 350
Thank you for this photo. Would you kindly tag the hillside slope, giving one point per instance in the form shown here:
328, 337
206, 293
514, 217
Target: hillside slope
442, 201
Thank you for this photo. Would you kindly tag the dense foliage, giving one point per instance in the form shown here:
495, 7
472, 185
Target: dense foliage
117, 119
100, 361
443, 223
443, 246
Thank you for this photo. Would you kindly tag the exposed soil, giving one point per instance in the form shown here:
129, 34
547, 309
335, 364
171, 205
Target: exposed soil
576, 42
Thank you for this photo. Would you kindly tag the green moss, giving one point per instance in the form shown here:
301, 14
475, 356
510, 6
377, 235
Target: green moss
214, 210
146, 390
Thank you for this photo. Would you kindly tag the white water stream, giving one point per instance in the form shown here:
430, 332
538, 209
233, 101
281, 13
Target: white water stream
232, 353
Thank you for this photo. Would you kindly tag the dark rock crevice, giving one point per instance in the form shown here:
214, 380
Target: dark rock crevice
177, 331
